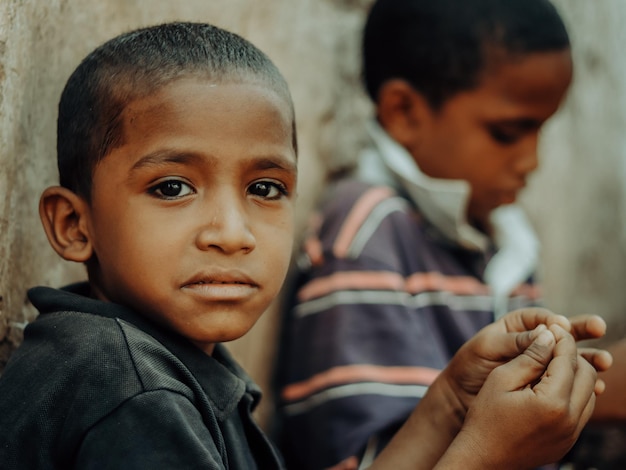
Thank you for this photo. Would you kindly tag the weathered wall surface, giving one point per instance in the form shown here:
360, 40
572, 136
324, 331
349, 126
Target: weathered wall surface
576, 199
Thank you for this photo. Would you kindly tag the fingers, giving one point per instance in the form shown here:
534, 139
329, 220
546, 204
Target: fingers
600, 359
528, 318
529, 366
568, 377
559, 377
580, 326
599, 387
525, 339
547, 392
510, 345
587, 327
583, 397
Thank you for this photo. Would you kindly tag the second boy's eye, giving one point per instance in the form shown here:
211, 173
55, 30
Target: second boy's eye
171, 189
504, 136
267, 190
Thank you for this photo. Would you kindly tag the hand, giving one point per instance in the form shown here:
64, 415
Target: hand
592, 327
506, 339
523, 338
530, 410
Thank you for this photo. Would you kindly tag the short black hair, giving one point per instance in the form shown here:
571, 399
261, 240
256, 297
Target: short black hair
441, 47
135, 65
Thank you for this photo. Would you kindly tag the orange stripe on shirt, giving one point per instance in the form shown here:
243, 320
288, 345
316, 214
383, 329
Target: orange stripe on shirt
342, 375
351, 280
387, 280
314, 250
359, 213
434, 281
532, 291
351, 463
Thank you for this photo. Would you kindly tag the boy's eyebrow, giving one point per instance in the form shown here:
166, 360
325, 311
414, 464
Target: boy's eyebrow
521, 123
161, 157
278, 163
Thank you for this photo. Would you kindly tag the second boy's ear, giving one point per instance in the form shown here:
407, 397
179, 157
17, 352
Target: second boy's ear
401, 111
64, 217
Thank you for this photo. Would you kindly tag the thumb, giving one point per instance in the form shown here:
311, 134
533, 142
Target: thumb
528, 367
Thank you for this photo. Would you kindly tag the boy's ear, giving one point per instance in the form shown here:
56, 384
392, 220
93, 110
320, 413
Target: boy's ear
64, 216
401, 111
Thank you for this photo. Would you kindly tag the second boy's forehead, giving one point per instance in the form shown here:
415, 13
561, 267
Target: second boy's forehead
536, 76
533, 83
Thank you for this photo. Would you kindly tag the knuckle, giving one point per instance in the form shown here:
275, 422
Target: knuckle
538, 354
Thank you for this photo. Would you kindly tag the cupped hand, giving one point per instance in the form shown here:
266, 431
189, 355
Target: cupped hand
531, 410
509, 337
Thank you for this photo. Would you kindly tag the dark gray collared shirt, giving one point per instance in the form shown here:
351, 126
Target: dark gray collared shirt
96, 386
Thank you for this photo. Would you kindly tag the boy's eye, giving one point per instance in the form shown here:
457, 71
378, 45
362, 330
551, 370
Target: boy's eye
267, 190
171, 189
504, 136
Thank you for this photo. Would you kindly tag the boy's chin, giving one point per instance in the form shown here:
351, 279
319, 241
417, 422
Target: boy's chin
217, 331
483, 212
207, 344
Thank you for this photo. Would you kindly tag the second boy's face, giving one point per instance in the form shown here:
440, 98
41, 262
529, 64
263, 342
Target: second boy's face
488, 135
192, 218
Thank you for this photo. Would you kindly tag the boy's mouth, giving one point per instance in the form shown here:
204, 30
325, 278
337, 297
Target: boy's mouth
218, 282
221, 278
221, 291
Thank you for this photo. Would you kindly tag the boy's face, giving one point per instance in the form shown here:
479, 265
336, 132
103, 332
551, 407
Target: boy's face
488, 135
192, 218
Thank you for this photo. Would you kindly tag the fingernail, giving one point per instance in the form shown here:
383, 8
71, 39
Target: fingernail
538, 329
545, 338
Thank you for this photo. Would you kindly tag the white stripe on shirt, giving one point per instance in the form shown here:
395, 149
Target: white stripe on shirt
357, 389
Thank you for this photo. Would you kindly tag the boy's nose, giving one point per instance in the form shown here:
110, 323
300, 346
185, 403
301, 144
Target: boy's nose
527, 159
527, 163
226, 228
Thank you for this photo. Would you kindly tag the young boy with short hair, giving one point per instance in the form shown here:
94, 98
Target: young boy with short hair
423, 246
177, 161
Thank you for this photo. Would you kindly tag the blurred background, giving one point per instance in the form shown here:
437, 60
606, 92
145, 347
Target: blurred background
576, 199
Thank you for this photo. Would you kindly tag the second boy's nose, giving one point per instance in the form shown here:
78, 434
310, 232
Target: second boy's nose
527, 160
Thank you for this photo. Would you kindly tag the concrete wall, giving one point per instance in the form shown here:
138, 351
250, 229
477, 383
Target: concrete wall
576, 200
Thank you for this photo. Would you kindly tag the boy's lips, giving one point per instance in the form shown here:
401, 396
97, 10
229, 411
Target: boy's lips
221, 286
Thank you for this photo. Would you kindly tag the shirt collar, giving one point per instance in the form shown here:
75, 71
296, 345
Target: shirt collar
443, 202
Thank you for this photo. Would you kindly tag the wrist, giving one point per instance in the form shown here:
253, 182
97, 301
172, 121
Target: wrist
443, 397
435, 422
464, 452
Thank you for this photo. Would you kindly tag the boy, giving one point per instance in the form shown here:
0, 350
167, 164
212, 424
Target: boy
177, 161
425, 246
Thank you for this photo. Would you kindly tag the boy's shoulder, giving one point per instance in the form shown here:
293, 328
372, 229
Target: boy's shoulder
70, 347
75, 332
356, 200
346, 192
82, 360
353, 213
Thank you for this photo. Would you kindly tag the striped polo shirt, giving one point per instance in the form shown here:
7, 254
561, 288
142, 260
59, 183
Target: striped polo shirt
390, 283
